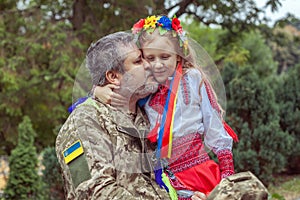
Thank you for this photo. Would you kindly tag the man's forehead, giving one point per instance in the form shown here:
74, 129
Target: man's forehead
126, 49
132, 55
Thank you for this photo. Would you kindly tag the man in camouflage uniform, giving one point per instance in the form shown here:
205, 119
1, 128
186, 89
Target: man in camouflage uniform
101, 149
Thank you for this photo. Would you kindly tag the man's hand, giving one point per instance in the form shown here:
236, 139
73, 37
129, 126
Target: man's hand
199, 196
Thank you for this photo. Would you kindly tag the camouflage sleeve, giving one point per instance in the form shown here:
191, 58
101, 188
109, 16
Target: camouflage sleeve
243, 185
92, 174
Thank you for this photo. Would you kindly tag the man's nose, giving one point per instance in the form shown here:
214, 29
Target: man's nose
147, 65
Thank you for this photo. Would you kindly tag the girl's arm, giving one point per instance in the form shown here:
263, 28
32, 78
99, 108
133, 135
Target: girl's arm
216, 136
106, 95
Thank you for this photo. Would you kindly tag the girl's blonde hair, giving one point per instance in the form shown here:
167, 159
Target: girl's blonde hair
188, 59
187, 53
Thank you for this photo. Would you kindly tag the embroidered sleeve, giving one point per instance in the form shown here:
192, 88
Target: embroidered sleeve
226, 163
215, 136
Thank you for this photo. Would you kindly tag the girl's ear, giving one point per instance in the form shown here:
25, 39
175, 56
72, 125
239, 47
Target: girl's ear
113, 77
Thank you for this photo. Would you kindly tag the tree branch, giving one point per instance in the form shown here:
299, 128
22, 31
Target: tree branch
182, 7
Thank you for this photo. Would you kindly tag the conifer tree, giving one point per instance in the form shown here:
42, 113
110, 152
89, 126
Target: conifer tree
51, 175
263, 146
23, 181
288, 98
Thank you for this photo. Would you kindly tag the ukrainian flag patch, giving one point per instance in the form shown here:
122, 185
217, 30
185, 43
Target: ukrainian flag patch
73, 151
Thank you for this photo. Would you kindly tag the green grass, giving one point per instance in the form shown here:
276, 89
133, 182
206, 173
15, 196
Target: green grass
286, 188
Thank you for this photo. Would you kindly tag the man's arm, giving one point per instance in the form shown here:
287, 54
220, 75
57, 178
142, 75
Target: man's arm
93, 175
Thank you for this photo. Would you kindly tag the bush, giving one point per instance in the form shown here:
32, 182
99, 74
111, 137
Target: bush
51, 175
288, 98
254, 114
23, 181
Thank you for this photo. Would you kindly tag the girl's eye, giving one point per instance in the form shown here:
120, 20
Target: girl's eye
165, 57
150, 58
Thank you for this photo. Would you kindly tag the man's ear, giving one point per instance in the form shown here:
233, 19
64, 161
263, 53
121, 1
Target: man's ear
113, 77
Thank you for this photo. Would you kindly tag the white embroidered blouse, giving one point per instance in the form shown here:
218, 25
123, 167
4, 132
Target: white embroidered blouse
195, 114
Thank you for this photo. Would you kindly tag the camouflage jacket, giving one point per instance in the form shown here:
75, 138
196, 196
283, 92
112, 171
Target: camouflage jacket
102, 155
240, 186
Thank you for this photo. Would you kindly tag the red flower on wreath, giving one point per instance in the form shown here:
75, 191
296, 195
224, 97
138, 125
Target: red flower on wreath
137, 27
176, 25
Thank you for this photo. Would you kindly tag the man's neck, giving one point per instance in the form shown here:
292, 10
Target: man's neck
128, 106
132, 106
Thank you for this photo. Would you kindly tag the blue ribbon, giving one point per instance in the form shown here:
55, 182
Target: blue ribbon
78, 102
158, 170
163, 121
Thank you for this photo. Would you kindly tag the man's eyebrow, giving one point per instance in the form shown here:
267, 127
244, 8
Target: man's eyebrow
138, 57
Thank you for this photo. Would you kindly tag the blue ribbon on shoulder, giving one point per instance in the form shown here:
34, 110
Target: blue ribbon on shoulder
78, 102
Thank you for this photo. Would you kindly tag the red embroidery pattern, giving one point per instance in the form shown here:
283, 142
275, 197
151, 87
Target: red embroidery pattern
185, 90
211, 96
187, 151
177, 185
158, 100
225, 163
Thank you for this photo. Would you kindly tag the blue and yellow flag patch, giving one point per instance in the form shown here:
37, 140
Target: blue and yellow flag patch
73, 151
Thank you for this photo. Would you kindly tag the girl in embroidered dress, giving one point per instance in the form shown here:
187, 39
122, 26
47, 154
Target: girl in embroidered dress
185, 118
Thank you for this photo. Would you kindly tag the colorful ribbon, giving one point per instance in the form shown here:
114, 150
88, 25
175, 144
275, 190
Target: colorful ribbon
164, 146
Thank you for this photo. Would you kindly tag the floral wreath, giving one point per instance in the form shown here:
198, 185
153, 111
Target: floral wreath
164, 24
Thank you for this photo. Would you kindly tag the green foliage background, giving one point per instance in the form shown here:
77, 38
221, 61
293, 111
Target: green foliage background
24, 181
43, 44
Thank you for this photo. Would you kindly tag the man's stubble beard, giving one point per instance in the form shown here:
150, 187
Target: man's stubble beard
150, 86
146, 90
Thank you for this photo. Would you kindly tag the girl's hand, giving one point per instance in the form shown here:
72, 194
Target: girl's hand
199, 196
106, 95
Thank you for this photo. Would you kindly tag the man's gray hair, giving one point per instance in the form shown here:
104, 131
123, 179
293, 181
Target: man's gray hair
106, 55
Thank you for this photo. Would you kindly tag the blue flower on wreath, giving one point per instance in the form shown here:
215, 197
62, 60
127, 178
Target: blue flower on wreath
165, 23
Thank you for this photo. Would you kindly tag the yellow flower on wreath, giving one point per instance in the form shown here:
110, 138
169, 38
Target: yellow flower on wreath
150, 22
